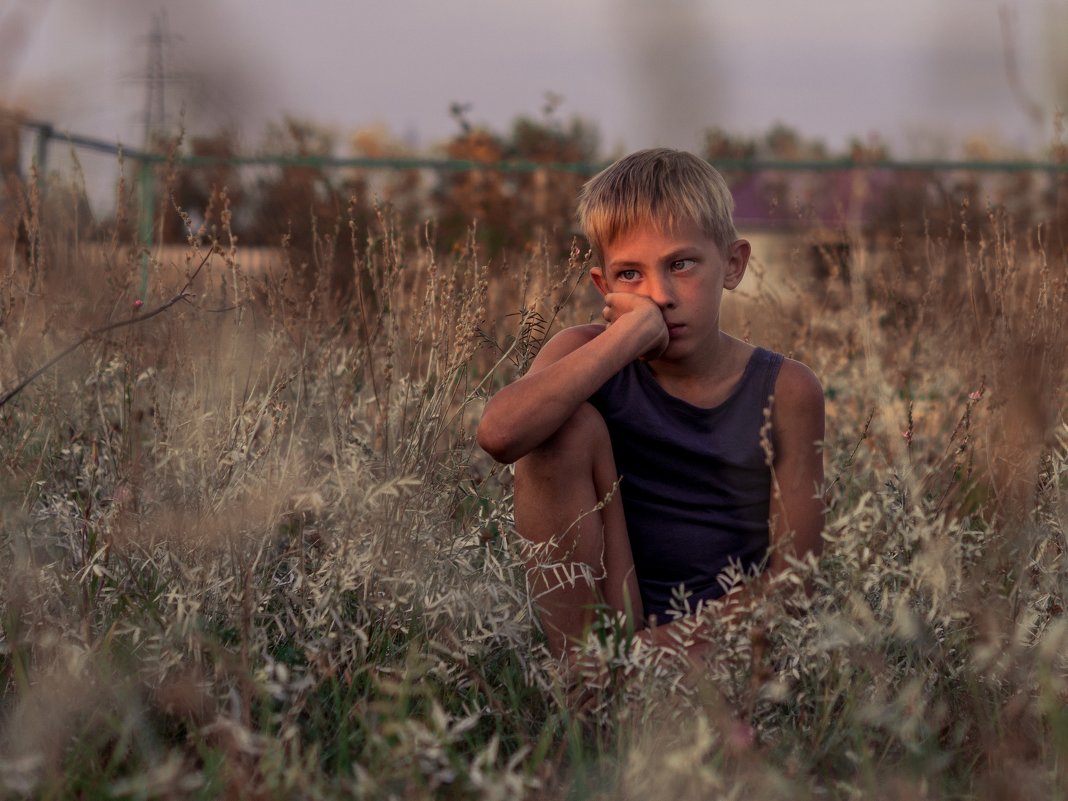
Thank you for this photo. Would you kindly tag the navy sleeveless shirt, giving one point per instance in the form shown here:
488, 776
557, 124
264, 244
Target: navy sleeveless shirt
695, 482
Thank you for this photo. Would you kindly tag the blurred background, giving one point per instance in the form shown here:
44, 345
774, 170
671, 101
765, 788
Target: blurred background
545, 83
921, 76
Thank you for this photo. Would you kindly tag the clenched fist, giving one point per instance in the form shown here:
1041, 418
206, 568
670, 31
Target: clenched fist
630, 308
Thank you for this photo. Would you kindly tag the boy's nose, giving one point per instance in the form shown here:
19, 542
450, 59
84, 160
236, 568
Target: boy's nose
662, 294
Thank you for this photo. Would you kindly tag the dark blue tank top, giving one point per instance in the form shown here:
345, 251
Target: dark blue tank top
695, 482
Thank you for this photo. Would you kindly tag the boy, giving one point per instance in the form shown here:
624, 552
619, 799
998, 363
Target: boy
705, 447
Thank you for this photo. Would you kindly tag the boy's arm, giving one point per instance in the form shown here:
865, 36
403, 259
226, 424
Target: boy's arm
566, 372
797, 508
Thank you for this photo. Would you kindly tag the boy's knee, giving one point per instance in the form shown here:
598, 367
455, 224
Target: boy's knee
577, 440
585, 425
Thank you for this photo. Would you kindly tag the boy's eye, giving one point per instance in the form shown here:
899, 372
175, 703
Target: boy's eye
627, 275
683, 264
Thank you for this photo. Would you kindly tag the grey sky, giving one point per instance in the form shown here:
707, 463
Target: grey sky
922, 74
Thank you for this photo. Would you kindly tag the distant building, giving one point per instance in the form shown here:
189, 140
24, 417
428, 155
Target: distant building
808, 220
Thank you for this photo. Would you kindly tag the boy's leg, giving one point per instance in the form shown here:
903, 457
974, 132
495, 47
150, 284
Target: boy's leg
580, 555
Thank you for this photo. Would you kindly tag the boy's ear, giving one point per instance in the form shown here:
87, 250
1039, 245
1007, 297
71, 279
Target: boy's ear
737, 260
597, 274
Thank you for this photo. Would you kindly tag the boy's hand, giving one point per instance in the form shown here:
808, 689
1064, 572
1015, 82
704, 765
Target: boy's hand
644, 314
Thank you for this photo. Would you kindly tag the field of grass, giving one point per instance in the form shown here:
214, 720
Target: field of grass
249, 549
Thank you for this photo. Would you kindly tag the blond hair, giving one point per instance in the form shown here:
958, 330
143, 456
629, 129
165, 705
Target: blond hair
662, 187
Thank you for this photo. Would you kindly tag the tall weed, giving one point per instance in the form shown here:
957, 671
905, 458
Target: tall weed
250, 547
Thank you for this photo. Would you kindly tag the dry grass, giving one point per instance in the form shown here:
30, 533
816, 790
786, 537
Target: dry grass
251, 550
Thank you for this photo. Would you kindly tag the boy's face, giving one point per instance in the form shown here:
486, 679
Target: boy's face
683, 271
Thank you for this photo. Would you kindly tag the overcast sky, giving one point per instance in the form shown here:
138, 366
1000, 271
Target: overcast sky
920, 73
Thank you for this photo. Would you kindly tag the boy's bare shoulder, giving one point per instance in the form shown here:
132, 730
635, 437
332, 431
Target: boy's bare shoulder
798, 392
795, 375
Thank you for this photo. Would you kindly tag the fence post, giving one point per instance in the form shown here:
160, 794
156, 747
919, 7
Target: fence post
40, 157
146, 219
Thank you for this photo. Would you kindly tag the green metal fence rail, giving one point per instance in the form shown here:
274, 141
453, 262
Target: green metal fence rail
45, 133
